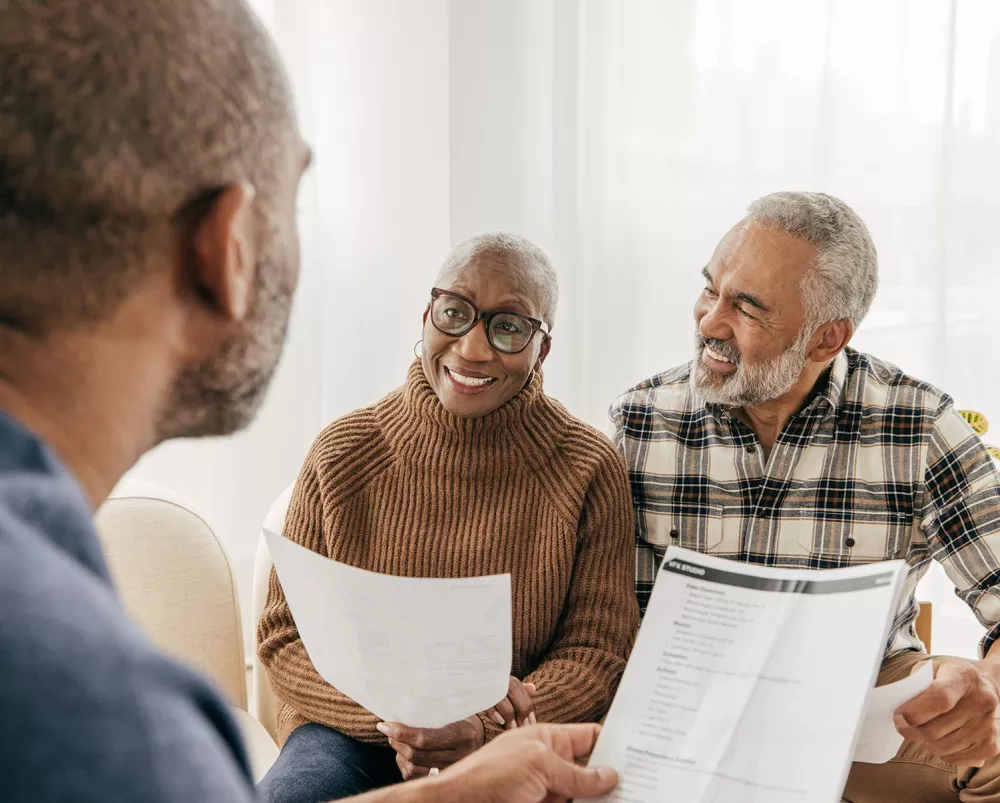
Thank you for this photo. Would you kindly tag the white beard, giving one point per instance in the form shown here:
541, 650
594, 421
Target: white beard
752, 383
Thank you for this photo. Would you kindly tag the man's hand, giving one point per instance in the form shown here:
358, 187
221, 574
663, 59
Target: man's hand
956, 717
535, 764
419, 749
516, 708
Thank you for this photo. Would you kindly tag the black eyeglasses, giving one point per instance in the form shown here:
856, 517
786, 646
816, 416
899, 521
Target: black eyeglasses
508, 332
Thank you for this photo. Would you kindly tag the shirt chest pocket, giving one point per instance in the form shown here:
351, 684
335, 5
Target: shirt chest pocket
701, 532
870, 531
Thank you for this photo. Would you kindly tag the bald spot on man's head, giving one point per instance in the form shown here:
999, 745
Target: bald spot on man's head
114, 117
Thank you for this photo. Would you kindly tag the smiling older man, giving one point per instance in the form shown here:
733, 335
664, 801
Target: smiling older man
777, 444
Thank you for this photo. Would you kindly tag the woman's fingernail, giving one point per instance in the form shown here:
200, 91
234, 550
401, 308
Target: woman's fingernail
606, 774
384, 729
532, 718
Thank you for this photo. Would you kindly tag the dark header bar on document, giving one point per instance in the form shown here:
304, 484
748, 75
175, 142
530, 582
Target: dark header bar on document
740, 580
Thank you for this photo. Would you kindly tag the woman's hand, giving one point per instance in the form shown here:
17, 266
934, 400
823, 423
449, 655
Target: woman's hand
420, 749
517, 708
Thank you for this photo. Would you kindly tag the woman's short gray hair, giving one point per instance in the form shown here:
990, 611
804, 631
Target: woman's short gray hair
844, 278
528, 263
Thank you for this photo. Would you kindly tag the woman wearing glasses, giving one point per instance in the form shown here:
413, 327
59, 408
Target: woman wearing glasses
468, 469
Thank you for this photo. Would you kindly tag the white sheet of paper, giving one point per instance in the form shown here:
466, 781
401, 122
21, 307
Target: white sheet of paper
422, 652
747, 684
879, 740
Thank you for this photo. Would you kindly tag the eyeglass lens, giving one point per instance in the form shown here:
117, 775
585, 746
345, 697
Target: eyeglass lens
507, 332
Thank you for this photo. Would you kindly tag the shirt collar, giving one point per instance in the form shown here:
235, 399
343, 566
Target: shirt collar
833, 390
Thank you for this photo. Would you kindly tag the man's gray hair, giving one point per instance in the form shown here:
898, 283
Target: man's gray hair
844, 278
530, 266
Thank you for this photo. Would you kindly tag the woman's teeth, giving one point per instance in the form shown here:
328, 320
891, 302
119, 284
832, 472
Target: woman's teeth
715, 355
470, 381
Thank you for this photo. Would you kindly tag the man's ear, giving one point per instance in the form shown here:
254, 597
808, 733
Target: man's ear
830, 339
224, 255
543, 352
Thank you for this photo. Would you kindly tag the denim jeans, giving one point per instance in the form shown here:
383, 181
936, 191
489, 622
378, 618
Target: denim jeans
319, 764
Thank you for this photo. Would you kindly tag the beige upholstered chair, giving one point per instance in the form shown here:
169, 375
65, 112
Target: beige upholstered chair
924, 624
259, 743
175, 579
262, 701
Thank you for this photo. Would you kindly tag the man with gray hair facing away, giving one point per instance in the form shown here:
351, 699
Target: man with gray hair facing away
780, 445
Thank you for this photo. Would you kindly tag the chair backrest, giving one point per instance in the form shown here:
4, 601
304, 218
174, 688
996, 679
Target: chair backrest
924, 624
175, 579
263, 705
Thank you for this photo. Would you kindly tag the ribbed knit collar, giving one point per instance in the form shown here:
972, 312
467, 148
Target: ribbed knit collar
415, 419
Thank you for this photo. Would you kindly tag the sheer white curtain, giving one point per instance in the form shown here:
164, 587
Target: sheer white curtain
694, 108
625, 137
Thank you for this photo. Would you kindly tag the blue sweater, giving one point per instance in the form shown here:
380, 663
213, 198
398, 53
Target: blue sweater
90, 711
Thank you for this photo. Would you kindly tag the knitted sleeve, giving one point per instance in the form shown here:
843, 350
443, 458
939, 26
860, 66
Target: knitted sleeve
303, 695
577, 679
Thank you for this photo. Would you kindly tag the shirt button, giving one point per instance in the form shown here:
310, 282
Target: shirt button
850, 542
751, 449
674, 534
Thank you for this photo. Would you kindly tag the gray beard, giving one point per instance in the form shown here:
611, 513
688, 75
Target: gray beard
752, 383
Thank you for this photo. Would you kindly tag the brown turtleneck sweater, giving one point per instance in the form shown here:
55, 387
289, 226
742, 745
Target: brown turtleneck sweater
406, 488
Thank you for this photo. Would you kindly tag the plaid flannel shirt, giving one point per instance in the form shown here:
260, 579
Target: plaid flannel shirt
877, 466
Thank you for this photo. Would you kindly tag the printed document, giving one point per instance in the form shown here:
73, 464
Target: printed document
421, 652
747, 684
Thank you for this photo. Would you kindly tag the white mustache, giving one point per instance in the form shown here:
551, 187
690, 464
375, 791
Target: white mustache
719, 347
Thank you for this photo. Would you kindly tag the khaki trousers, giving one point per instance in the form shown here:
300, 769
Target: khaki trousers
914, 776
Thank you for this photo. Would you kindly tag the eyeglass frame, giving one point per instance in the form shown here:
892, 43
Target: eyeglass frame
488, 316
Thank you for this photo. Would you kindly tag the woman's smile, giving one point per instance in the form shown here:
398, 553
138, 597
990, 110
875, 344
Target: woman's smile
471, 383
